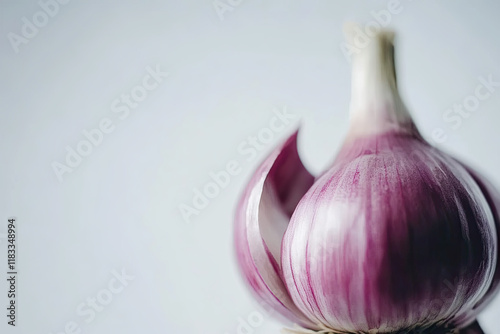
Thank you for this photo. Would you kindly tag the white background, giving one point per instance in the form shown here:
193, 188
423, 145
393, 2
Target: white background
119, 208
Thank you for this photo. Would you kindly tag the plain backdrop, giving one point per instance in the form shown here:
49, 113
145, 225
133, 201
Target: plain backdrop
229, 71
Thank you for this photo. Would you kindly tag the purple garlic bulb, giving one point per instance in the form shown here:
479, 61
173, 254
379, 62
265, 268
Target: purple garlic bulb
395, 236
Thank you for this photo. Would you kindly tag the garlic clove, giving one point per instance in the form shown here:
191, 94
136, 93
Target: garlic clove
262, 217
492, 196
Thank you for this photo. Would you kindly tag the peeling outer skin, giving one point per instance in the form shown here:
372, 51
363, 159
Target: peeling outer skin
262, 215
386, 240
492, 196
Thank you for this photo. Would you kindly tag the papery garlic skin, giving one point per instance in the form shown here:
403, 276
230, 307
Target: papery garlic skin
395, 236
268, 201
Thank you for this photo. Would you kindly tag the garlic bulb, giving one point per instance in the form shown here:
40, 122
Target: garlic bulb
396, 236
